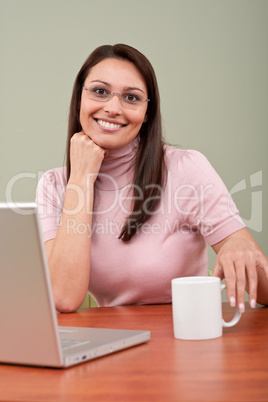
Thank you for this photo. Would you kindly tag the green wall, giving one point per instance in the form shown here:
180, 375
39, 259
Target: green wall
211, 59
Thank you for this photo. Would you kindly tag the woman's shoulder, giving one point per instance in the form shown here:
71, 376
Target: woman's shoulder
51, 187
56, 172
186, 158
56, 176
191, 165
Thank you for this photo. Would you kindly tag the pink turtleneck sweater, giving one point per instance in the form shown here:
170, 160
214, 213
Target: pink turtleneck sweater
195, 210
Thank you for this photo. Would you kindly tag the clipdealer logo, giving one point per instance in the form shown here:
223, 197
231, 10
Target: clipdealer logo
252, 185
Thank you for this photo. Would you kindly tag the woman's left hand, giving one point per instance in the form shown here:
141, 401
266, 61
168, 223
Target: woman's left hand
244, 266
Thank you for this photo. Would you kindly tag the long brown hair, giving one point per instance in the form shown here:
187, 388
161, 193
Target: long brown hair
149, 163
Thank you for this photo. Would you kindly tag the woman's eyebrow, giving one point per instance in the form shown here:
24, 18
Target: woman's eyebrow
103, 82
125, 88
133, 89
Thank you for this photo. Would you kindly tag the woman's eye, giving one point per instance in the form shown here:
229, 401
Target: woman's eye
99, 92
131, 98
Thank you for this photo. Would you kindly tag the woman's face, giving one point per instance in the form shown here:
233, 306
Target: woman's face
111, 124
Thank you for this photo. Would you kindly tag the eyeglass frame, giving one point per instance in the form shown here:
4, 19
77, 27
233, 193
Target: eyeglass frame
110, 96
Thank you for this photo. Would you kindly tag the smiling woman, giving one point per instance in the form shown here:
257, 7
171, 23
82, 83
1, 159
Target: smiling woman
129, 213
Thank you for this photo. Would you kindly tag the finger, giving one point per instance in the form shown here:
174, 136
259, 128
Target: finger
240, 270
262, 263
79, 134
230, 281
217, 270
226, 270
252, 279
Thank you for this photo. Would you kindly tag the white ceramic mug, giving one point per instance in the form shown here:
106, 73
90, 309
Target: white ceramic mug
197, 308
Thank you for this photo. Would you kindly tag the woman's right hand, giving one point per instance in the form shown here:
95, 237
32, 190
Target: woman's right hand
86, 158
69, 253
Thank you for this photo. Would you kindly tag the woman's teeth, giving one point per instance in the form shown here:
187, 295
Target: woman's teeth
106, 124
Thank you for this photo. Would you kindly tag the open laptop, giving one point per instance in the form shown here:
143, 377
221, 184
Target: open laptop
29, 333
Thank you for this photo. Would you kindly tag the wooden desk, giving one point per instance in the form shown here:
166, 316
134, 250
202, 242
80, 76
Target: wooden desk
231, 368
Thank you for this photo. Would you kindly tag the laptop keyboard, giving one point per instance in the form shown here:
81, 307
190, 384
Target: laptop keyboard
70, 343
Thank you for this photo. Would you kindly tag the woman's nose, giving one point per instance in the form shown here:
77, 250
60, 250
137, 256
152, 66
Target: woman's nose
113, 105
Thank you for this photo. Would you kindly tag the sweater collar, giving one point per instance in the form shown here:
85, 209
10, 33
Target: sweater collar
117, 168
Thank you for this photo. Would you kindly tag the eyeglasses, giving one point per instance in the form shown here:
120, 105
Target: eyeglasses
104, 95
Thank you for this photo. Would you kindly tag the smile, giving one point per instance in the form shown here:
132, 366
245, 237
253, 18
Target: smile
108, 125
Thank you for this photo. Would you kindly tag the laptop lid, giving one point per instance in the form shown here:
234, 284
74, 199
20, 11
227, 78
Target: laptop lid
29, 332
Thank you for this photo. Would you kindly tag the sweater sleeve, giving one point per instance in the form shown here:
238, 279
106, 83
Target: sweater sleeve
203, 198
50, 195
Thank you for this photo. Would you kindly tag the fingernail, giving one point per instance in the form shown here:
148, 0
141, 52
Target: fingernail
241, 307
252, 303
232, 301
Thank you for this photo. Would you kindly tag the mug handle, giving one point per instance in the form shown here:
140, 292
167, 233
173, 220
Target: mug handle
237, 315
